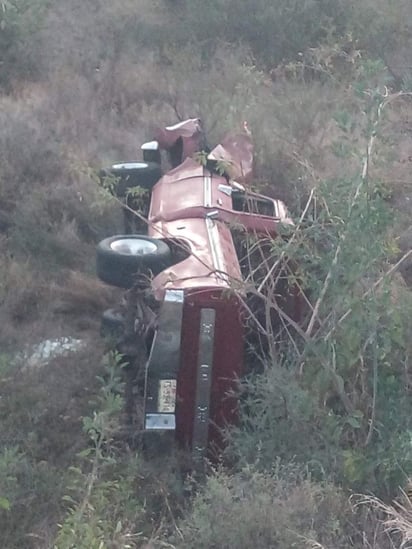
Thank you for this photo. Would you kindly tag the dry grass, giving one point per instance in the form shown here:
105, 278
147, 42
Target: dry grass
106, 80
395, 518
41, 411
80, 294
274, 510
49, 403
35, 306
394, 164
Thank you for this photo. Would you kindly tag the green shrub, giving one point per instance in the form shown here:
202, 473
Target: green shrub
114, 498
20, 22
40, 434
282, 30
264, 510
274, 31
338, 399
29, 492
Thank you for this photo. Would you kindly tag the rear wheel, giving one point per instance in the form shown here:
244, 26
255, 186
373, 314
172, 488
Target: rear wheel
123, 261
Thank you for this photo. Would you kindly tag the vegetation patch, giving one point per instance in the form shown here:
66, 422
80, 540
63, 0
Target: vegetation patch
325, 87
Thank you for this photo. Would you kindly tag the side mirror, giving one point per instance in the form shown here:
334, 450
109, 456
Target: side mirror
151, 152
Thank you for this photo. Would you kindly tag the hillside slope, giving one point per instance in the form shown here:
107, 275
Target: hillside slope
82, 85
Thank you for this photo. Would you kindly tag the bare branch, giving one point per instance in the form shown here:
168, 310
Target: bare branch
370, 290
363, 180
282, 255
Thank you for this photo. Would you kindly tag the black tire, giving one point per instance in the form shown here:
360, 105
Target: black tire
121, 259
112, 325
131, 175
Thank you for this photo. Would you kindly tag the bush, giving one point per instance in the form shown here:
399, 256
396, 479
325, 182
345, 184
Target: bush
114, 498
20, 22
51, 208
281, 30
29, 492
264, 510
274, 31
339, 398
40, 433
335, 400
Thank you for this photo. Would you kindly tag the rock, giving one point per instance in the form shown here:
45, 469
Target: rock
40, 354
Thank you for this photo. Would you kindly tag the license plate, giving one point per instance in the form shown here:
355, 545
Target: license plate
167, 396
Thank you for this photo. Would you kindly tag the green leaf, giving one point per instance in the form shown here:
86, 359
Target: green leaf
69, 499
5, 504
353, 422
340, 384
344, 120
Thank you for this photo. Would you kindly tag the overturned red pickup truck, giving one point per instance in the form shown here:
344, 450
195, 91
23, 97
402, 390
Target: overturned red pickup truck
182, 323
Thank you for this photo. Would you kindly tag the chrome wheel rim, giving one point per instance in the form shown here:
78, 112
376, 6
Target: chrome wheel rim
133, 246
130, 166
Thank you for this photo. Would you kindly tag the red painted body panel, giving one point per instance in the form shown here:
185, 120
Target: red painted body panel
189, 132
180, 194
194, 208
227, 363
203, 268
181, 204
